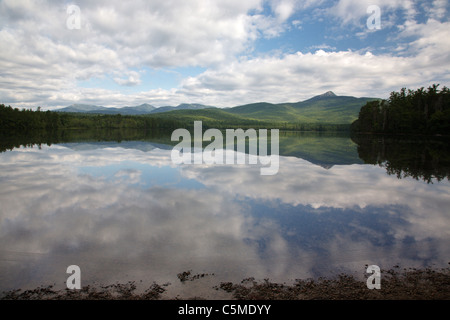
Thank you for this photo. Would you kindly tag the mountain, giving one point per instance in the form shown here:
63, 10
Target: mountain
210, 115
81, 108
87, 108
183, 106
329, 107
326, 95
136, 110
324, 108
141, 109
265, 111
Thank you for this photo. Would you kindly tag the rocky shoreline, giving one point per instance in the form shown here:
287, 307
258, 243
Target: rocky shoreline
397, 284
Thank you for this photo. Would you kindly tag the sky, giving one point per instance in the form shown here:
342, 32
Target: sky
222, 53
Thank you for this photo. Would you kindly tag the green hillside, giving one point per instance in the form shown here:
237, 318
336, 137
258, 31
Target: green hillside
321, 109
212, 117
335, 109
267, 112
325, 109
326, 112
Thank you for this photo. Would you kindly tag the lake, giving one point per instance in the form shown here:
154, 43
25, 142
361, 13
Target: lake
122, 211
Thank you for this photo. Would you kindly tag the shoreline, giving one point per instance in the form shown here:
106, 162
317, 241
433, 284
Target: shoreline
396, 284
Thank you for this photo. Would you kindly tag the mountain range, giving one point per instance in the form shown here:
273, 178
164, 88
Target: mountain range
136, 110
324, 108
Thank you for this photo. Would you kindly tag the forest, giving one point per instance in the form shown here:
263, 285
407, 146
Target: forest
13, 120
421, 111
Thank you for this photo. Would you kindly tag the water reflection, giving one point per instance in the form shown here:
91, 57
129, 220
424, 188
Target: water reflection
123, 212
421, 158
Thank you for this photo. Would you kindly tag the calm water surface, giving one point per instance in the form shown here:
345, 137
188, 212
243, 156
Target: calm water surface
123, 212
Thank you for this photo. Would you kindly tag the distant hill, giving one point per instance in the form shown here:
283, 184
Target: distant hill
324, 108
136, 110
327, 108
141, 109
207, 115
81, 108
183, 106
86, 108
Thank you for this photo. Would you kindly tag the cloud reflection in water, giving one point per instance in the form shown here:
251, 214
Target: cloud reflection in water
124, 214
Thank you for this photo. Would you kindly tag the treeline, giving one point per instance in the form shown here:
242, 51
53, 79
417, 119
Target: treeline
283, 126
13, 120
421, 111
37, 138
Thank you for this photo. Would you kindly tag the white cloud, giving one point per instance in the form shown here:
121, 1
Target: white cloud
131, 79
283, 9
43, 55
42, 61
353, 11
298, 76
438, 9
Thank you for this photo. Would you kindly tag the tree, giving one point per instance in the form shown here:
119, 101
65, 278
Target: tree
407, 111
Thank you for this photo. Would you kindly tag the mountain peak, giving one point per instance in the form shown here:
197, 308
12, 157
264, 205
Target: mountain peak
328, 94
